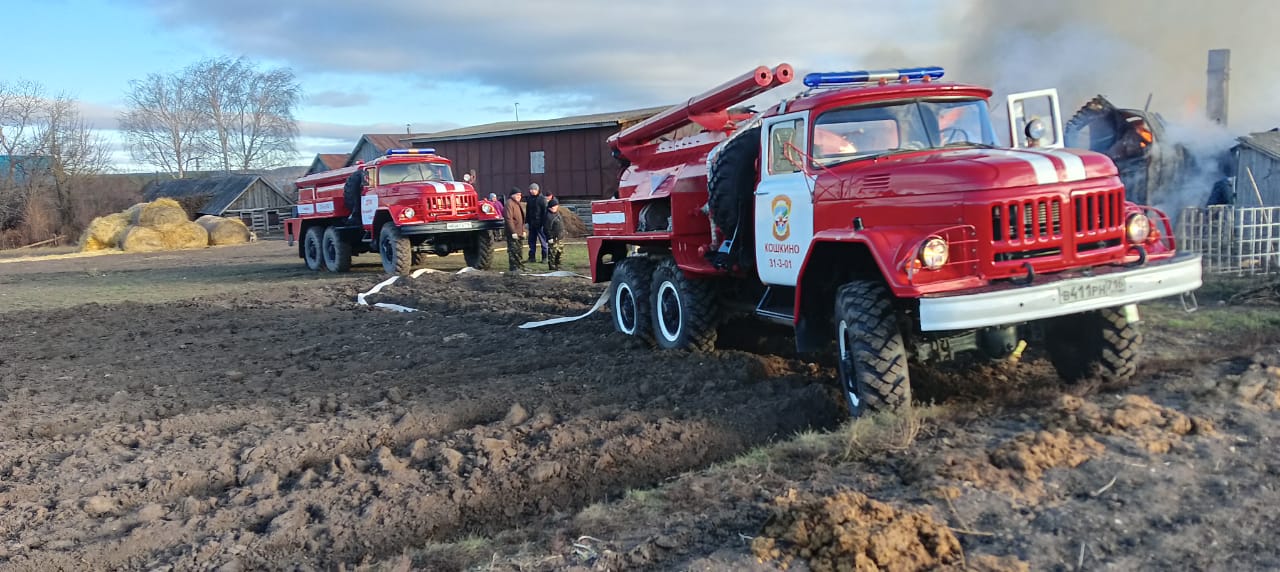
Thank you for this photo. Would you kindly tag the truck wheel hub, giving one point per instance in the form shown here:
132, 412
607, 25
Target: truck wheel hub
624, 302
670, 312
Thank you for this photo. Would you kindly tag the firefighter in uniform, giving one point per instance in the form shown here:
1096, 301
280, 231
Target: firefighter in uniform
555, 235
515, 231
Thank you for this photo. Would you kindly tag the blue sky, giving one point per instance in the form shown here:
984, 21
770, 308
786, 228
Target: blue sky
375, 65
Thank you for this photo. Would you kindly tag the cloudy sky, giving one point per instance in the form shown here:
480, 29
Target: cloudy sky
375, 66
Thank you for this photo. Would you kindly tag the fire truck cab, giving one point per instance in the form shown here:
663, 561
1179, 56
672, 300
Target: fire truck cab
409, 207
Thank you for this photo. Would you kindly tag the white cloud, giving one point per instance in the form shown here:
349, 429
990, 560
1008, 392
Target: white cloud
335, 98
600, 55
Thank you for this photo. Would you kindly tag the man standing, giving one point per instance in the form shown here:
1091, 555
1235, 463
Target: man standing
555, 235
515, 231
536, 216
351, 193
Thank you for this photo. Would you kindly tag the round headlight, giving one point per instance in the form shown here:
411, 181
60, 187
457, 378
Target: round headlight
934, 253
407, 213
1138, 227
486, 208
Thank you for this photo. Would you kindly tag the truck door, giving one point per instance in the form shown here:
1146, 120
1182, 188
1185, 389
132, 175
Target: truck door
783, 200
1035, 120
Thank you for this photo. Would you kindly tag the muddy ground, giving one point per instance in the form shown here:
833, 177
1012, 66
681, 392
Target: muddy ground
227, 410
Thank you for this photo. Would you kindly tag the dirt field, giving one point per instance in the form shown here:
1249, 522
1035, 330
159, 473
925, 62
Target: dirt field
225, 409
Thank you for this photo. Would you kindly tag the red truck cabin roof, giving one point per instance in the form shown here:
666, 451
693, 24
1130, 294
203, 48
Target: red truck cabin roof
879, 93
340, 175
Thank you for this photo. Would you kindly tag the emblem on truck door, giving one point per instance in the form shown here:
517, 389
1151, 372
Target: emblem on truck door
781, 209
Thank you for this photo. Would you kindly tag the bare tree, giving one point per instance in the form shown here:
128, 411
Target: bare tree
21, 104
163, 122
74, 151
265, 127
49, 153
249, 113
218, 85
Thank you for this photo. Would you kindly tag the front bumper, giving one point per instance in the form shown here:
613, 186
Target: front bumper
1062, 294
447, 227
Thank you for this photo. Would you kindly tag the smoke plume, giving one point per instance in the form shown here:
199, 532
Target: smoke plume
1127, 50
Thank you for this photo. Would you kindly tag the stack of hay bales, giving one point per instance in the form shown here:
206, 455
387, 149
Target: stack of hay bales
146, 227
105, 232
224, 230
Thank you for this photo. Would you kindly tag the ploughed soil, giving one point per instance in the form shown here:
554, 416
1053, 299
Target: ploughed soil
265, 421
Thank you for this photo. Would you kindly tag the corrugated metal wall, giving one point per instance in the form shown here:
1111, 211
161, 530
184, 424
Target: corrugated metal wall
577, 162
1265, 171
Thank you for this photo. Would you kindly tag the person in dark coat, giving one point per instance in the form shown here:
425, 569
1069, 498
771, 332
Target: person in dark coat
515, 231
536, 215
351, 192
555, 235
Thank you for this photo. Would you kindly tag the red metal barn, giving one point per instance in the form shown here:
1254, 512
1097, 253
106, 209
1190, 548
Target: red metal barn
567, 156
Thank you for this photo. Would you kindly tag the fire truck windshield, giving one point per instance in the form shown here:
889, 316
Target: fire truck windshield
858, 132
413, 172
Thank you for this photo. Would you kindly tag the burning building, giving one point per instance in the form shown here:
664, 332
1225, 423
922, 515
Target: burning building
1149, 163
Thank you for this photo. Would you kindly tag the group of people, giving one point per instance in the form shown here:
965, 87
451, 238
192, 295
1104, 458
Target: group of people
536, 219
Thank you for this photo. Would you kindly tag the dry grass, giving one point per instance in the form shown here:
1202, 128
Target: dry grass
886, 432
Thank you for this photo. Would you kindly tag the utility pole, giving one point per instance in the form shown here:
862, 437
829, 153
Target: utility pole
517, 112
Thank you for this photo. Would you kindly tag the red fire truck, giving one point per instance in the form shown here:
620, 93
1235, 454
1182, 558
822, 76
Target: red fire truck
876, 214
410, 207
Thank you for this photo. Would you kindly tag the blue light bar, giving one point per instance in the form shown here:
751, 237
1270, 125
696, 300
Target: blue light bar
871, 76
419, 151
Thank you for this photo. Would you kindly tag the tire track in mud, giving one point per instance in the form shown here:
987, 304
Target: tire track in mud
295, 433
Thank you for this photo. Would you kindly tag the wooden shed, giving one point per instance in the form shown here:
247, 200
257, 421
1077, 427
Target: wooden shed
251, 198
1258, 154
567, 156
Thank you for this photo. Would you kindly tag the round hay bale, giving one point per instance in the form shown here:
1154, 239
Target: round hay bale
104, 232
183, 236
167, 202
142, 239
224, 230
132, 211
161, 212
573, 225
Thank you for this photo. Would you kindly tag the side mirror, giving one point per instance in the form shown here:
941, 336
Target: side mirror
1035, 119
1035, 131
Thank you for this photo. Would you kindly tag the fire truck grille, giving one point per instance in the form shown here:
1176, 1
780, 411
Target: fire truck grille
1098, 213
445, 204
1027, 220
1043, 227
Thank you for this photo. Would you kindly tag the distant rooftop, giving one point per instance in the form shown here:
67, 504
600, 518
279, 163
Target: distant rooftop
1267, 142
539, 126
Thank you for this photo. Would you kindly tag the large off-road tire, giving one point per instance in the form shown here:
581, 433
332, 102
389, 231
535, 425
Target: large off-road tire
336, 251
395, 249
1102, 344
731, 191
313, 246
872, 356
479, 251
420, 258
630, 300
685, 312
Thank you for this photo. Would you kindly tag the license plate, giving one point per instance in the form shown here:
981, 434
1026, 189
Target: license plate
1090, 290
456, 225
